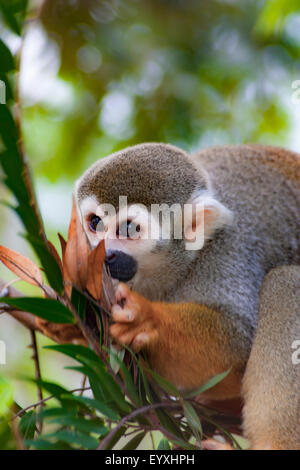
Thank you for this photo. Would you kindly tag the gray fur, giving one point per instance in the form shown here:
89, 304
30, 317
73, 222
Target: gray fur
272, 380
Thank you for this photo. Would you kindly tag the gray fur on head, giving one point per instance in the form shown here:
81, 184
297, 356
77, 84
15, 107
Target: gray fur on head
147, 174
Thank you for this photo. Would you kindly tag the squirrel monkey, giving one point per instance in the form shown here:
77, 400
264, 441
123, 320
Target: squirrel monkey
192, 301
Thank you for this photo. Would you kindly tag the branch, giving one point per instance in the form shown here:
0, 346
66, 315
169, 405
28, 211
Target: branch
132, 415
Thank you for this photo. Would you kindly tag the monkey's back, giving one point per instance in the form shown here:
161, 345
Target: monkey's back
261, 185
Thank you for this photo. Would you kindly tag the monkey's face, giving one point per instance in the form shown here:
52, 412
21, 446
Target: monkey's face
135, 252
136, 200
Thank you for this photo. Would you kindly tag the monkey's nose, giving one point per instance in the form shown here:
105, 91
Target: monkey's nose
121, 265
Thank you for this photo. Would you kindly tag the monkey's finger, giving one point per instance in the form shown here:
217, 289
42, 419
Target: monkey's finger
122, 292
122, 315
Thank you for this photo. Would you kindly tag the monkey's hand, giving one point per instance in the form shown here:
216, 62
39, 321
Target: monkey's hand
135, 322
187, 343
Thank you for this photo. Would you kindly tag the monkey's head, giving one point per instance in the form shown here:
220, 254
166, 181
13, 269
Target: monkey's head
155, 208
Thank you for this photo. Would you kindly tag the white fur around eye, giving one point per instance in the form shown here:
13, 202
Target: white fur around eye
87, 206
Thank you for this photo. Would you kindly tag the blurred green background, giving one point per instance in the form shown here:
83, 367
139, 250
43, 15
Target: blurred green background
100, 75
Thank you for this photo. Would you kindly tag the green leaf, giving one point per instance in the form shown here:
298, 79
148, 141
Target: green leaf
54, 389
49, 309
7, 61
9, 133
209, 384
192, 419
13, 13
27, 424
164, 445
135, 441
116, 437
95, 404
79, 302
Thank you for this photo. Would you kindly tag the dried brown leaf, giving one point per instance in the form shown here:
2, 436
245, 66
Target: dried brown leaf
77, 250
95, 271
23, 267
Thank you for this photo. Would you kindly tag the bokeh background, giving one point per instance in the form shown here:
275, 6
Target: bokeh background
99, 75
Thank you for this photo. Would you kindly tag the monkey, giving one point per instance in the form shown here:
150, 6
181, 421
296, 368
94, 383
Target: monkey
194, 308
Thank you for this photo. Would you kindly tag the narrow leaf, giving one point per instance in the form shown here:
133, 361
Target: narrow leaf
209, 384
49, 309
164, 445
135, 441
192, 419
21, 266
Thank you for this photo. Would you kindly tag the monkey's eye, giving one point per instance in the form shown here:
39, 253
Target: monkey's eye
128, 229
96, 223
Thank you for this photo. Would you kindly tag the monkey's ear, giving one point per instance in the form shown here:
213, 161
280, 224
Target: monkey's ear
203, 216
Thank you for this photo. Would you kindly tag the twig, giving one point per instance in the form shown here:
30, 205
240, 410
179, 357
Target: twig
132, 415
38, 375
83, 384
40, 402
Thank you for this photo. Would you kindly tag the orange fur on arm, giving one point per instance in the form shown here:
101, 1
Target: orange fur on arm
192, 345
